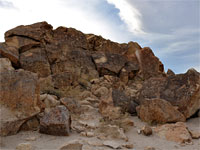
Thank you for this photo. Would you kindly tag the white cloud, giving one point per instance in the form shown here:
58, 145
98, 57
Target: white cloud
129, 14
81, 15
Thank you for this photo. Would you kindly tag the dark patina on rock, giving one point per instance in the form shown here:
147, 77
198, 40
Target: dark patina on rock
56, 122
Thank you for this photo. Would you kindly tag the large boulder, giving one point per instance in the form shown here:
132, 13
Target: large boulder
56, 122
182, 90
158, 111
19, 99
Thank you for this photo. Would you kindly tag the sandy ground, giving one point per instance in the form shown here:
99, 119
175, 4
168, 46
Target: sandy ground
48, 142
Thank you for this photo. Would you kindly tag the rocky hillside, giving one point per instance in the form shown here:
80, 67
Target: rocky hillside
62, 81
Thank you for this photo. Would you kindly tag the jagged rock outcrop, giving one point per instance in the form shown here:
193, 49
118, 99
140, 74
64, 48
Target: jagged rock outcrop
88, 74
182, 90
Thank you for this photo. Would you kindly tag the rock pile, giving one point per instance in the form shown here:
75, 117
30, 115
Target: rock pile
64, 81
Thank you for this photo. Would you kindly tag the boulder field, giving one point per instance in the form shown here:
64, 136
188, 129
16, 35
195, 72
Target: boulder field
59, 81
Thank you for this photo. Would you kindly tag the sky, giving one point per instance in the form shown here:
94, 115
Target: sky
171, 28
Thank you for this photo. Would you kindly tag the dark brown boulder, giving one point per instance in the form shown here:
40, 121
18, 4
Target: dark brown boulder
35, 60
182, 90
19, 99
56, 122
109, 64
37, 31
124, 102
150, 65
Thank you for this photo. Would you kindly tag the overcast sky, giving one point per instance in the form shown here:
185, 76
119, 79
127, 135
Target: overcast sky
170, 27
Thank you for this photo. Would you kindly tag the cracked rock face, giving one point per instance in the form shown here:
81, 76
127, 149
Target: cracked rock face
19, 99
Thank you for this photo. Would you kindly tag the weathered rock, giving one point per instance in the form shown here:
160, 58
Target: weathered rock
32, 124
102, 91
150, 65
5, 65
56, 122
19, 99
22, 43
35, 60
97, 43
10, 52
122, 101
37, 32
158, 111
109, 64
174, 132
72, 105
111, 132
107, 108
24, 146
194, 134
182, 90
72, 145
170, 73
149, 148
146, 130
50, 101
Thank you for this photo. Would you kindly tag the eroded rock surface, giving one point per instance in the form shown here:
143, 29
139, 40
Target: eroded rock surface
19, 99
56, 122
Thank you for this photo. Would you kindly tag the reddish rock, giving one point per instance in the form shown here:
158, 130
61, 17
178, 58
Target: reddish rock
174, 132
19, 99
182, 90
56, 122
158, 111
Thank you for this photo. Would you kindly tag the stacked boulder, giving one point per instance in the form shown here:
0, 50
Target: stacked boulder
86, 72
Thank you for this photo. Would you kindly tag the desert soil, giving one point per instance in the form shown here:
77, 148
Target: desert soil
48, 142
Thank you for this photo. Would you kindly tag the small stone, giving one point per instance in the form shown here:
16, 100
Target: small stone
72, 145
33, 138
128, 145
43, 97
146, 130
90, 134
101, 92
195, 134
112, 144
24, 146
149, 148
